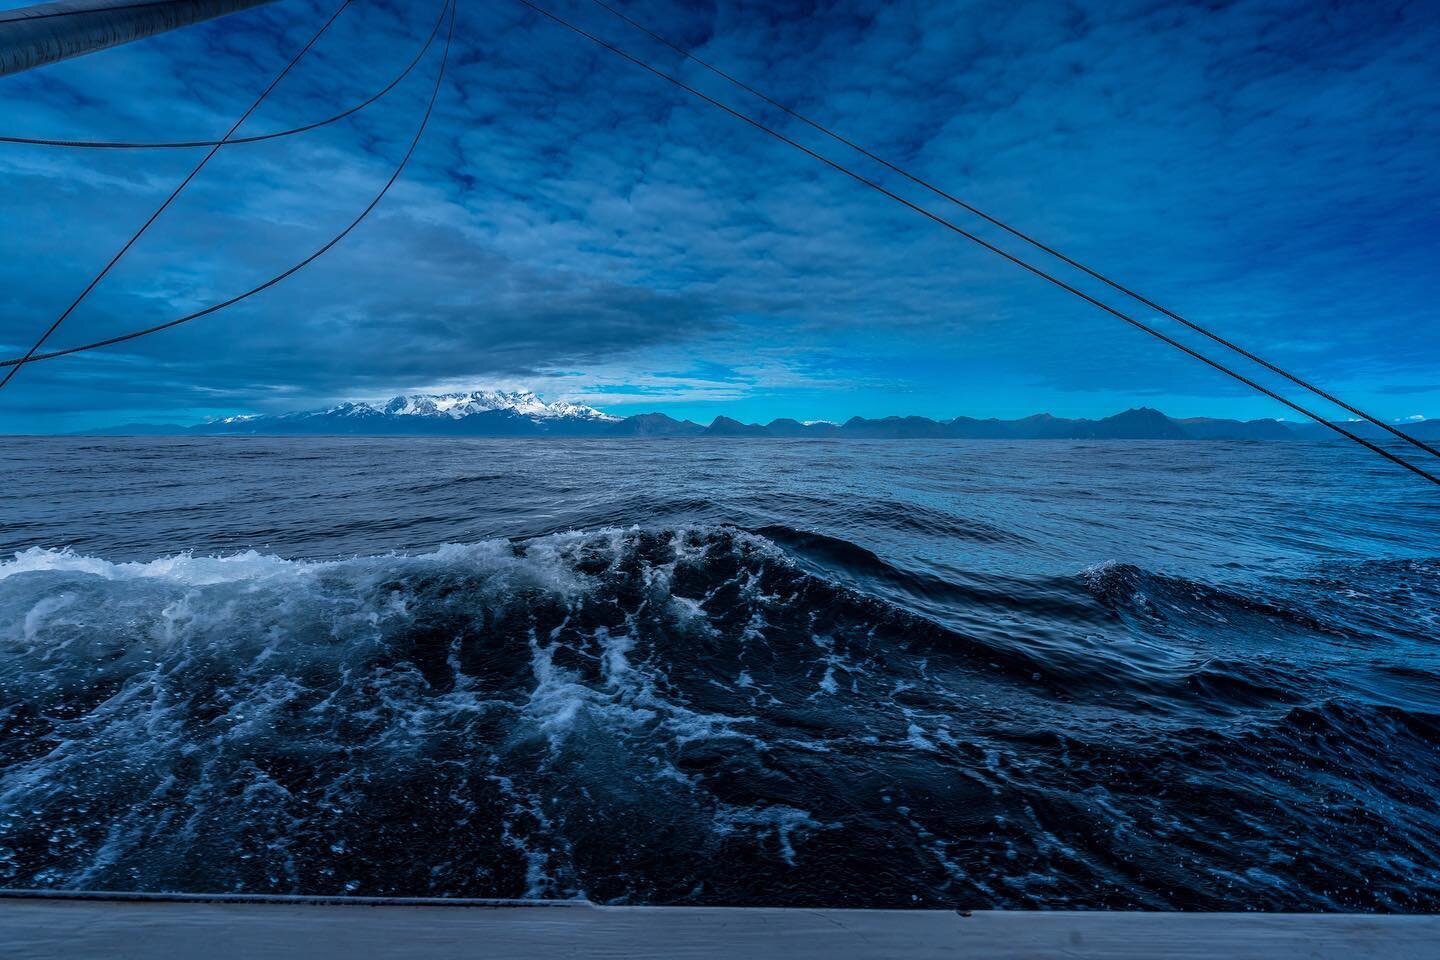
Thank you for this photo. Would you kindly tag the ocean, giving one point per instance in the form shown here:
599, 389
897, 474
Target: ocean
958, 674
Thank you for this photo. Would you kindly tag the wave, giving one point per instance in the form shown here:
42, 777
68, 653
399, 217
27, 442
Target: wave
700, 715
148, 704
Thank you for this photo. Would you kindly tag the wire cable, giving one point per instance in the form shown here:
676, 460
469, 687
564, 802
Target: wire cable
10, 374
1019, 234
15, 363
1018, 261
258, 138
278, 278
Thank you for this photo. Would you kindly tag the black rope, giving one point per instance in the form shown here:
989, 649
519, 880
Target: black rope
10, 374
32, 356
1019, 234
121, 145
1070, 288
278, 278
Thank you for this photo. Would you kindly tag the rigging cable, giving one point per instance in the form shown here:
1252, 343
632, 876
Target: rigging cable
15, 363
10, 374
257, 138
1018, 261
1019, 234
280, 277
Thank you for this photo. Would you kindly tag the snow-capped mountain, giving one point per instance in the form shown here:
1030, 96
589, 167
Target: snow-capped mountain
457, 406
476, 412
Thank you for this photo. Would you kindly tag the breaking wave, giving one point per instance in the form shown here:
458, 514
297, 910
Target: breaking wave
716, 716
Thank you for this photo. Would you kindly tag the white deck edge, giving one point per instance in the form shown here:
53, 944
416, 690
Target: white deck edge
36, 925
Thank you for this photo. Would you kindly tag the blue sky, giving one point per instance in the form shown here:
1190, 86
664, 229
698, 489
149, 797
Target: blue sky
573, 225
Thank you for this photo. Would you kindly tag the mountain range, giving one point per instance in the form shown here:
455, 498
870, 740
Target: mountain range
485, 413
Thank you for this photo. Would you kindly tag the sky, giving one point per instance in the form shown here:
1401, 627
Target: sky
576, 226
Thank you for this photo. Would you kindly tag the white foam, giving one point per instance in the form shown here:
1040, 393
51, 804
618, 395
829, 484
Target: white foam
786, 823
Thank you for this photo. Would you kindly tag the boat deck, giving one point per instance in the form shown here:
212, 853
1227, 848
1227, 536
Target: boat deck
221, 928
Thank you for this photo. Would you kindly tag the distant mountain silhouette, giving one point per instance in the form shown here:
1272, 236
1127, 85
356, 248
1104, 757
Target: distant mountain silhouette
522, 414
725, 427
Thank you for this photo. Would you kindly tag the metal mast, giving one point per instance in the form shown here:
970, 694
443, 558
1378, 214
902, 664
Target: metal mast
47, 32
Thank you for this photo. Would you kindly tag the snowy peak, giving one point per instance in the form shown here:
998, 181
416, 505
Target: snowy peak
457, 406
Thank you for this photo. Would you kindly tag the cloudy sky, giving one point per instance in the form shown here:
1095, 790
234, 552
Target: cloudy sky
574, 225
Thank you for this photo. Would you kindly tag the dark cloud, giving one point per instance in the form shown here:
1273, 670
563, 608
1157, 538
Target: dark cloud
1265, 165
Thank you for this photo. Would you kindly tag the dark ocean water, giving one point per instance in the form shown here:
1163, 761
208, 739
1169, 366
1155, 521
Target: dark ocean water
1036, 674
